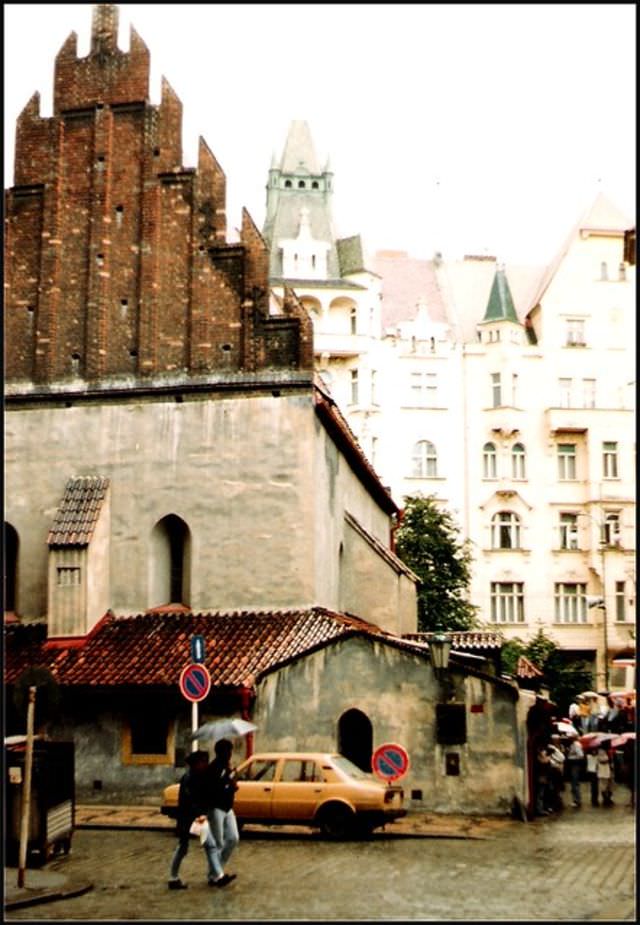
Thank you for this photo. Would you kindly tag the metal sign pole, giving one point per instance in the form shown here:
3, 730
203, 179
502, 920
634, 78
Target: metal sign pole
26, 789
194, 724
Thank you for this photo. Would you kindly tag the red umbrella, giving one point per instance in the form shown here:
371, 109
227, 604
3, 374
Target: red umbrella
622, 739
594, 739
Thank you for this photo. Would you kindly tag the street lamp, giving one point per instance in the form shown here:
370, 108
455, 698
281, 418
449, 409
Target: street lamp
439, 648
601, 602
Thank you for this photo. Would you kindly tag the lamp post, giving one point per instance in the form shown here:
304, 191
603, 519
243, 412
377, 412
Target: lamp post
440, 647
601, 602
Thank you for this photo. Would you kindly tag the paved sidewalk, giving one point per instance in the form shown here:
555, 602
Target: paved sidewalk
425, 825
42, 885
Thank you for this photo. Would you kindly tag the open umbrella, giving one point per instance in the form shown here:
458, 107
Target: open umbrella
223, 729
595, 739
622, 739
565, 728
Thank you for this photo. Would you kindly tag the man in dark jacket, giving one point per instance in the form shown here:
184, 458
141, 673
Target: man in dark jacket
193, 802
222, 820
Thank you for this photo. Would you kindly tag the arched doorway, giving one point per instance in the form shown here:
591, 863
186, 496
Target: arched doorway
10, 568
355, 738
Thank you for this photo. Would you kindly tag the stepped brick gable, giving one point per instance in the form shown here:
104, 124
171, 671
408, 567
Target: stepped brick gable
117, 260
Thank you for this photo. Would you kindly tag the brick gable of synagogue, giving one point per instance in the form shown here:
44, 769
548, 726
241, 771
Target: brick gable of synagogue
117, 265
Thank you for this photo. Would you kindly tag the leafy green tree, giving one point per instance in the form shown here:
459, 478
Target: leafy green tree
428, 541
564, 678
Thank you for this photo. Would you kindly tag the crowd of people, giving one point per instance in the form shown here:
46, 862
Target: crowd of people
573, 752
205, 800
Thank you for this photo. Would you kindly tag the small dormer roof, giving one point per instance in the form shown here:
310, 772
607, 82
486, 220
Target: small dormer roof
500, 306
79, 510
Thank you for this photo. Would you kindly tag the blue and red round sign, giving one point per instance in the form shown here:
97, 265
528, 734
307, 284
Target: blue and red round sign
390, 761
195, 682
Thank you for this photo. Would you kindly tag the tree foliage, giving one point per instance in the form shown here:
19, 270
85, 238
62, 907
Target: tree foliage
564, 678
428, 541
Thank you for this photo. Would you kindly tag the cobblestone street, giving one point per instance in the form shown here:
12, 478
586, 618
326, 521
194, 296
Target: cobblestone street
578, 866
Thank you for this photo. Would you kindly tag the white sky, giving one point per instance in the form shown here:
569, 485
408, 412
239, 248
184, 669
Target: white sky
462, 128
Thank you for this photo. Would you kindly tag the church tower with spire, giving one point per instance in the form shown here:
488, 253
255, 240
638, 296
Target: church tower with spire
299, 197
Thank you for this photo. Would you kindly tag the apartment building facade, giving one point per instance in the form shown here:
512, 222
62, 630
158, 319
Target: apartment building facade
508, 393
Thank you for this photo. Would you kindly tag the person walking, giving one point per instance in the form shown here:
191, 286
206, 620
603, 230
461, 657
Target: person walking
629, 766
575, 715
604, 776
542, 781
592, 775
575, 759
223, 836
192, 805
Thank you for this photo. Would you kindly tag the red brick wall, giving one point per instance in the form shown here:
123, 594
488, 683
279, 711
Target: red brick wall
116, 257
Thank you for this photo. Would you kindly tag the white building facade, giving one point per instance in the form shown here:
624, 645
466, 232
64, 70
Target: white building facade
506, 393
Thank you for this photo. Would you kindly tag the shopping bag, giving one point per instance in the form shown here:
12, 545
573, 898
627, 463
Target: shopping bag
201, 829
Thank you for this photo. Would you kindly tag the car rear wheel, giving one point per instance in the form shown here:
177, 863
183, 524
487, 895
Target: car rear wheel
336, 821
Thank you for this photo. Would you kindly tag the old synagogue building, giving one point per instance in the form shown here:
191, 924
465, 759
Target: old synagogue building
175, 465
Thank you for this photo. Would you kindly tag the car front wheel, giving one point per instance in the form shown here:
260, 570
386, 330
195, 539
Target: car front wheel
336, 821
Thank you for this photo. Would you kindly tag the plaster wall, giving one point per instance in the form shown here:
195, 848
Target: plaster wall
347, 578
234, 469
299, 708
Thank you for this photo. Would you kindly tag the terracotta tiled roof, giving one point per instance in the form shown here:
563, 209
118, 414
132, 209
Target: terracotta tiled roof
526, 669
464, 640
78, 512
153, 648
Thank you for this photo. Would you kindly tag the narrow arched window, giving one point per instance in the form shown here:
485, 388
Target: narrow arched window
505, 530
287, 184
170, 562
353, 320
425, 460
489, 461
518, 461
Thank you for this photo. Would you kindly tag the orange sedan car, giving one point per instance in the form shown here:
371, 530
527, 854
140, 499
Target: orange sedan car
319, 789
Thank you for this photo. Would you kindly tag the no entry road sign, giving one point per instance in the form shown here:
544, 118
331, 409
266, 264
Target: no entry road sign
390, 761
195, 682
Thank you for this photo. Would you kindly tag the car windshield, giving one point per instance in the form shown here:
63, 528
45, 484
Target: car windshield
343, 764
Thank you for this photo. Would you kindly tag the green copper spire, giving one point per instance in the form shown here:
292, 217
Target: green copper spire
500, 306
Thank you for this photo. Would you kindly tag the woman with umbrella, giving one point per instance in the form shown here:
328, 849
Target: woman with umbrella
192, 804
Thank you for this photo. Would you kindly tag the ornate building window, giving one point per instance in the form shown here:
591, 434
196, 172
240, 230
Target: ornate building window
568, 531
609, 460
567, 462
489, 461
611, 531
507, 602
505, 530
571, 602
518, 461
496, 390
354, 386
425, 460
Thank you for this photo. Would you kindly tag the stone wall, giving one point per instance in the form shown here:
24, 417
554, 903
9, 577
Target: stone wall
299, 708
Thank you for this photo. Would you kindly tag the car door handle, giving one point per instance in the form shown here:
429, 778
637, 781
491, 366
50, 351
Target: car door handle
267, 789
